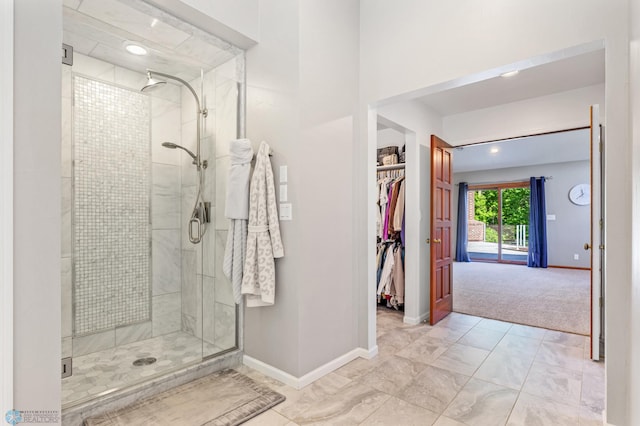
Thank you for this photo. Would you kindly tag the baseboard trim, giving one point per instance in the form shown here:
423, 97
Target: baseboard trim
312, 376
579, 268
415, 320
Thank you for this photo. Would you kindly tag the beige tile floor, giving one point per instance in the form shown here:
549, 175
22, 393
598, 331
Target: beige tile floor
465, 370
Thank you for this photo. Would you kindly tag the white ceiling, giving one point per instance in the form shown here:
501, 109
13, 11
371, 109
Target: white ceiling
100, 28
543, 149
553, 77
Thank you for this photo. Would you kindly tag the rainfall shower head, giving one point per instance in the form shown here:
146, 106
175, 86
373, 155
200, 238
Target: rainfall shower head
152, 83
172, 145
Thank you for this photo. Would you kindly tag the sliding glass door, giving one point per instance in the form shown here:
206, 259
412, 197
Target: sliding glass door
498, 225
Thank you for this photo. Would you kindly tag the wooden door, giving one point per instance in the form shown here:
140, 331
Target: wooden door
441, 302
597, 237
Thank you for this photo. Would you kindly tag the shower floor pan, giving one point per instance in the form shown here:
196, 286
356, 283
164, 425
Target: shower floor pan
98, 373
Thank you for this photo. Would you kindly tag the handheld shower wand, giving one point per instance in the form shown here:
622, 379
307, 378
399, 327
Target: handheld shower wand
172, 145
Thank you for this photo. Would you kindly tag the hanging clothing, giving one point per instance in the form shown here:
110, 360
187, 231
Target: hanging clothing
392, 205
386, 277
263, 241
390, 224
390, 274
237, 210
398, 275
385, 230
383, 200
399, 210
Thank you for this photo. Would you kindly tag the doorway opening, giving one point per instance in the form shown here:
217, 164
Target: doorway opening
497, 283
486, 113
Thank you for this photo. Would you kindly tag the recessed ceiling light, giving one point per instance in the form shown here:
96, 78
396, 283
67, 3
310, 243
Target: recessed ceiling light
135, 49
494, 150
509, 74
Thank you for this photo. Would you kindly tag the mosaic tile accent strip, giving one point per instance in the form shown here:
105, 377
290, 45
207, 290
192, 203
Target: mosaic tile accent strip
111, 206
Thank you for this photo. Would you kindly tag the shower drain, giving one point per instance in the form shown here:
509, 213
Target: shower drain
144, 361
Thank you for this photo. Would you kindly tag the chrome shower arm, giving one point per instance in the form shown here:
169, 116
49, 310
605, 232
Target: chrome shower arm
200, 111
173, 77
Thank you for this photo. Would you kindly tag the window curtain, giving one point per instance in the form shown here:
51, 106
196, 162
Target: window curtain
462, 231
537, 225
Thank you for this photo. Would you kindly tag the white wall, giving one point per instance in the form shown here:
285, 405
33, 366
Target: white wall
272, 334
429, 43
240, 15
566, 234
302, 89
6, 207
236, 21
634, 392
559, 111
390, 137
37, 204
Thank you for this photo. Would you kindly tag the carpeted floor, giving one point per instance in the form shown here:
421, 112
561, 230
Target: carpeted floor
553, 298
225, 398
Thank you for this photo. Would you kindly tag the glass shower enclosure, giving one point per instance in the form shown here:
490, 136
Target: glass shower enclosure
143, 226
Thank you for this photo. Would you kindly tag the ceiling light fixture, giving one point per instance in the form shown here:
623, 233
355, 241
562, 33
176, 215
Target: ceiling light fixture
135, 49
494, 150
509, 74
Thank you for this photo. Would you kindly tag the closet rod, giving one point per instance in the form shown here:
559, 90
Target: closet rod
398, 166
503, 181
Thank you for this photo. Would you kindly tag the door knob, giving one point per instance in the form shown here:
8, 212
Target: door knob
437, 241
587, 246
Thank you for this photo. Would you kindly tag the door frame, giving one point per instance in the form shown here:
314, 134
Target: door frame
597, 232
6, 204
364, 271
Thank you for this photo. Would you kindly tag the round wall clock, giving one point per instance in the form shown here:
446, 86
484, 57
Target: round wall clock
580, 194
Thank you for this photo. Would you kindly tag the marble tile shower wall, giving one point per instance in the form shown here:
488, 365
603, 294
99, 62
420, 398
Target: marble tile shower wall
212, 314
111, 206
165, 207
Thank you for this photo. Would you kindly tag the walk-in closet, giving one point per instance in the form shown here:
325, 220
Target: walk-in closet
390, 222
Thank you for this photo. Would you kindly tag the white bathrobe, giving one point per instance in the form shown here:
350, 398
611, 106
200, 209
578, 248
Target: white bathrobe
237, 210
263, 240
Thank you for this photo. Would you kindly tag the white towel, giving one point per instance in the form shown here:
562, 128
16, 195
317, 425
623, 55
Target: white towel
240, 153
234, 255
237, 210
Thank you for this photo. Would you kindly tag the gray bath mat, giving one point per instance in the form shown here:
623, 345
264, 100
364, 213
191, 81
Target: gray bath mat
224, 398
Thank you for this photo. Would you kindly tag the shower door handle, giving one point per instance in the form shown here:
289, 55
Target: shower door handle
195, 239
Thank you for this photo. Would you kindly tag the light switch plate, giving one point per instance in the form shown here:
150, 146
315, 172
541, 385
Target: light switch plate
283, 193
286, 211
283, 174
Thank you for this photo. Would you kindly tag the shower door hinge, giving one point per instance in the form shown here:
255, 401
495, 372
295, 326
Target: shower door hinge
67, 54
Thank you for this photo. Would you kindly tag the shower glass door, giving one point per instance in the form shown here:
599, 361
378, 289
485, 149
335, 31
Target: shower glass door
219, 310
